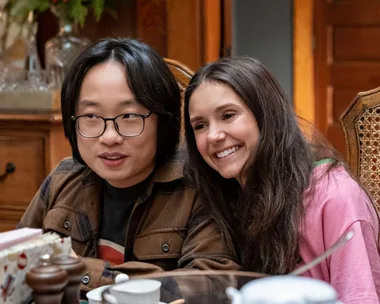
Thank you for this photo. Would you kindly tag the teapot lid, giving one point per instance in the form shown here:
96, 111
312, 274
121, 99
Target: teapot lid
288, 289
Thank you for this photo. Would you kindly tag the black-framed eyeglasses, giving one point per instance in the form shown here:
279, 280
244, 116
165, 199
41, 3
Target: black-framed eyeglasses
127, 125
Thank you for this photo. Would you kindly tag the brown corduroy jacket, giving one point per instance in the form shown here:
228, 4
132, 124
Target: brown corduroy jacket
167, 229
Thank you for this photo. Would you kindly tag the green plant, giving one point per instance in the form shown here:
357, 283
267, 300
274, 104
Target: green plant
75, 10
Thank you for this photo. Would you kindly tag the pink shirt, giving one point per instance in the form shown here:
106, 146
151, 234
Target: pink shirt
338, 206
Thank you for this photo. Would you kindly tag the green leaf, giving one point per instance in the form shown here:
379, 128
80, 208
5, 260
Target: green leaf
78, 11
98, 7
44, 5
22, 8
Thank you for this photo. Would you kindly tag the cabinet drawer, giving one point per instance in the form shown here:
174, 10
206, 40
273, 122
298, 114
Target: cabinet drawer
19, 187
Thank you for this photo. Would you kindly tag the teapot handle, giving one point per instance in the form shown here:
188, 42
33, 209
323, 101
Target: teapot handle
121, 277
110, 299
234, 295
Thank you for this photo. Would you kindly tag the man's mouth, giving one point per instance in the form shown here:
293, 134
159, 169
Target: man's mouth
112, 156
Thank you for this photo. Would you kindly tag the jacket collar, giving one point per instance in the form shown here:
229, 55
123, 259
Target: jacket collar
172, 169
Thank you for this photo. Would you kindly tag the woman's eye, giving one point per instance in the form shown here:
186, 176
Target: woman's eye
198, 127
228, 115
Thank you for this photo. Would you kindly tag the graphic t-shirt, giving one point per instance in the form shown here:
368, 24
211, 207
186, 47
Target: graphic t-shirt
116, 210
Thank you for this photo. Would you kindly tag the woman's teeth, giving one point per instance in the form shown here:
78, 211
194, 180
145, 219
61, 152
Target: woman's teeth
227, 152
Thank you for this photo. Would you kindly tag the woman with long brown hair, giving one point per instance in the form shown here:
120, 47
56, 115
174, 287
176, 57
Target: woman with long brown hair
280, 197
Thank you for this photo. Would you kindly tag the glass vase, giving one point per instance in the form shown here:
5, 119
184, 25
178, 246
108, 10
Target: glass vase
62, 50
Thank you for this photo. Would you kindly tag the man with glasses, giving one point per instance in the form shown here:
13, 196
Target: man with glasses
127, 125
121, 197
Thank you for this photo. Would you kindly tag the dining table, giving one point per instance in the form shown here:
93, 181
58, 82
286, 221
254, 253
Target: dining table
195, 286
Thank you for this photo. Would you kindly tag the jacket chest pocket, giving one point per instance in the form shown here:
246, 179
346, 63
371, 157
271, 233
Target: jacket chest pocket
69, 223
159, 244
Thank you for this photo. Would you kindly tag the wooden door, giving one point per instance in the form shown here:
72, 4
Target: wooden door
347, 59
188, 31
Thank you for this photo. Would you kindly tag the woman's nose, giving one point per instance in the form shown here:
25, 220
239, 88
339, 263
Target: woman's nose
216, 134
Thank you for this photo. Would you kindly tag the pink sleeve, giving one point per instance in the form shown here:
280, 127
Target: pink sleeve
355, 268
341, 205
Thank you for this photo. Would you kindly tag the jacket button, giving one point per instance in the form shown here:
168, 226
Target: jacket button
165, 247
67, 225
85, 279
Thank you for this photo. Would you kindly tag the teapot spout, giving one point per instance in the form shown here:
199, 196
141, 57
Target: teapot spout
234, 295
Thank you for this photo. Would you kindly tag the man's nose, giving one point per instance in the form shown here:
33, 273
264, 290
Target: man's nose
110, 135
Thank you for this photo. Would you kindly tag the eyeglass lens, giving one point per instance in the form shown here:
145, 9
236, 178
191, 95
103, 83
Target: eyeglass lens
126, 125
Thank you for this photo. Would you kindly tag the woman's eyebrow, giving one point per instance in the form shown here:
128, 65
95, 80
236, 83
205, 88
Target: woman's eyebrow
217, 110
223, 107
195, 119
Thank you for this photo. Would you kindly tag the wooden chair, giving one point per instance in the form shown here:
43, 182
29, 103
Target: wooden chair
183, 74
361, 127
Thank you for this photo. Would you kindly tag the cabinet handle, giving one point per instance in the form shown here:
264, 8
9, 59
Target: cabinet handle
9, 168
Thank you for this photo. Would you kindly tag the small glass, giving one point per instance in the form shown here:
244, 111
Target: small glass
20, 80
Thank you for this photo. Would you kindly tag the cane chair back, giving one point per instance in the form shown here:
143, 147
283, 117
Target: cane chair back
361, 127
183, 75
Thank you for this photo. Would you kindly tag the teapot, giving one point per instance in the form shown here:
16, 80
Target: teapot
284, 289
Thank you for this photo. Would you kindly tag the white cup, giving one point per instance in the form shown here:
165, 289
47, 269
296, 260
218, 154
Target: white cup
95, 296
137, 292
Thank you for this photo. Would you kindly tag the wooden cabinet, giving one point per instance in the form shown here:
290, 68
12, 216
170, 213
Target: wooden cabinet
34, 144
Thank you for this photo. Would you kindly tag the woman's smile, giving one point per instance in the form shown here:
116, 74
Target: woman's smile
227, 152
225, 129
